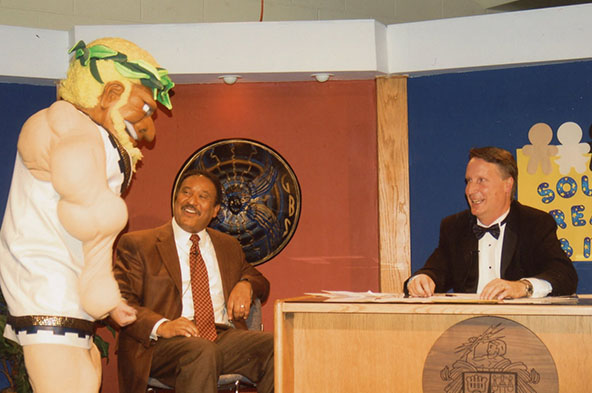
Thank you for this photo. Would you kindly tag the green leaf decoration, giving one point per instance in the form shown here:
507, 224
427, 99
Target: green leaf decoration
129, 73
101, 52
80, 52
103, 346
79, 45
12, 362
165, 99
95, 71
111, 330
150, 69
152, 77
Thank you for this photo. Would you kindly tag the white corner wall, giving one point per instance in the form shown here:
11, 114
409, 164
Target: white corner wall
506, 39
32, 55
258, 51
289, 51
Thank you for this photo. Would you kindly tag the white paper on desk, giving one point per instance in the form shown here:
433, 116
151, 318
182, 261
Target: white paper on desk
345, 296
460, 298
474, 298
383, 297
369, 297
543, 300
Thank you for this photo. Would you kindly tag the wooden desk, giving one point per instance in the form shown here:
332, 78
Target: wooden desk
374, 347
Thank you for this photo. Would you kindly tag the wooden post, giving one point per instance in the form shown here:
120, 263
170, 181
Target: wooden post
393, 183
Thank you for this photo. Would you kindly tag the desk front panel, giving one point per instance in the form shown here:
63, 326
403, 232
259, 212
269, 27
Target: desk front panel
353, 349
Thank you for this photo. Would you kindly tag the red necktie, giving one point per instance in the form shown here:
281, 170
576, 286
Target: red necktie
200, 290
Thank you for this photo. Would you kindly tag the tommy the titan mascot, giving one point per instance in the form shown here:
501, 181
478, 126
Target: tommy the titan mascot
64, 210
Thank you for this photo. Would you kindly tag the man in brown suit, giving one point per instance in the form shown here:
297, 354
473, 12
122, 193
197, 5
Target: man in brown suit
153, 272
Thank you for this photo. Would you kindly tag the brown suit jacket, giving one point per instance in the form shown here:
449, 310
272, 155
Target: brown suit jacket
149, 276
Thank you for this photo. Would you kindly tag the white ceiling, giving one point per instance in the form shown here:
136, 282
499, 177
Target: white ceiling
518, 5
65, 14
294, 50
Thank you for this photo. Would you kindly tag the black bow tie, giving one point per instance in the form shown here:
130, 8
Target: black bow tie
480, 231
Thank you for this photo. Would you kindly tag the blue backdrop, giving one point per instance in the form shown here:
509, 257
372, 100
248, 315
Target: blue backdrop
449, 114
17, 103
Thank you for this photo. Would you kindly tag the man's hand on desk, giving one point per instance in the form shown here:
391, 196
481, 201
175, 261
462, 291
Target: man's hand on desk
499, 289
421, 286
177, 327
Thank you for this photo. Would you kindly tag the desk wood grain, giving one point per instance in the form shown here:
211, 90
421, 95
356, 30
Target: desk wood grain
328, 347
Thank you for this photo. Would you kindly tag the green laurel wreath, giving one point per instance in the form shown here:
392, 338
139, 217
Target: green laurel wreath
152, 77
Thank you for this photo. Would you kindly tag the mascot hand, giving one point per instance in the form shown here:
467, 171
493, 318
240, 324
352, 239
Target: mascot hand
123, 314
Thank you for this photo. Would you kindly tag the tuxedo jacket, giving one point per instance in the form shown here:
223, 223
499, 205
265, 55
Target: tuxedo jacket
149, 275
530, 249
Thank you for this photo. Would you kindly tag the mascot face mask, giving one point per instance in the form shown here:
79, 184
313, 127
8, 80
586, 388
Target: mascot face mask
117, 84
134, 116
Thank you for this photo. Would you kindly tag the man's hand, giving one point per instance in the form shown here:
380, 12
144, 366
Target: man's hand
239, 301
177, 327
123, 314
421, 286
499, 289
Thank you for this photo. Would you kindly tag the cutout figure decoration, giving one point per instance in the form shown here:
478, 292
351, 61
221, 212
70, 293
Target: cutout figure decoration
590, 143
64, 210
540, 152
572, 153
565, 190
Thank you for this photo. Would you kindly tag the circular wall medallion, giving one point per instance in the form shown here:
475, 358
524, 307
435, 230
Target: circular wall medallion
489, 354
260, 195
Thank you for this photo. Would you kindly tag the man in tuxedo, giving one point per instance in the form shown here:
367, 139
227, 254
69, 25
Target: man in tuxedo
172, 340
497, 248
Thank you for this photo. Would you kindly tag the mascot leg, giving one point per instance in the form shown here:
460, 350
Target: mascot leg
54, 368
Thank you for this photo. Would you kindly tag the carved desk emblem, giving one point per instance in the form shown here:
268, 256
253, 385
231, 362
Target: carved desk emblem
489, 355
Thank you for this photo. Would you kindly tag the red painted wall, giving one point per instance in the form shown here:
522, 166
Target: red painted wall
326, 132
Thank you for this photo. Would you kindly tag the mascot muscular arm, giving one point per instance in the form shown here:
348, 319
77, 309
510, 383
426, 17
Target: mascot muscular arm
73, 160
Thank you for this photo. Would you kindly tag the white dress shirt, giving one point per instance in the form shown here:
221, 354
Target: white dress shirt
490, 253
490, 260
183, 245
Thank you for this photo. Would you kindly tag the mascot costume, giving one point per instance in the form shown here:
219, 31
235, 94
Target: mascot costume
64, 210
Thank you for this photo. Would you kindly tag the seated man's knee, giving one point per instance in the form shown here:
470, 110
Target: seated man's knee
199, 350
268, 341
